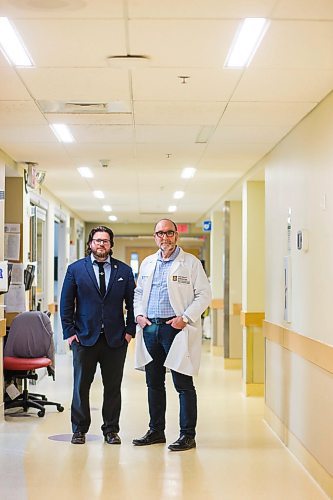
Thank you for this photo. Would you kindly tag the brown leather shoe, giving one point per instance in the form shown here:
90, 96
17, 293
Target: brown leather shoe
183, 443
78, 438
151, 437
112, 438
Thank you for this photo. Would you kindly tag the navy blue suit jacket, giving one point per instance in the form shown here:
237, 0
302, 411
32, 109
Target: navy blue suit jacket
83, 310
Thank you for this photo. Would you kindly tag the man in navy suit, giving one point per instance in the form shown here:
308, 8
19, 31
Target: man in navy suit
92, 302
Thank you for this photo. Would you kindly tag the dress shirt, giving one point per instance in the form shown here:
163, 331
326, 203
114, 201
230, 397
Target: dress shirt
159, 304
107, 269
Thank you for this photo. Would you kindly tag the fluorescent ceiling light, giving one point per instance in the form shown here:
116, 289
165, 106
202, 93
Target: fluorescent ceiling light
98, 194
178, 194
107, 208
172, 208
112, 218
62, 132
85, 172
188, 172
12, 45
246, 42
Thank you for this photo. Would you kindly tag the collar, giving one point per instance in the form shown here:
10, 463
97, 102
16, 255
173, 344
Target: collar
93, 260
174, 254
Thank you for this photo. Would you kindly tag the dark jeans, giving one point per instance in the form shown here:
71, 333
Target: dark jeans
158, 340
85, 361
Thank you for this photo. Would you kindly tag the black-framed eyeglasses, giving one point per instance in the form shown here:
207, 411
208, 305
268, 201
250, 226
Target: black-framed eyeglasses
169, 233
101, 242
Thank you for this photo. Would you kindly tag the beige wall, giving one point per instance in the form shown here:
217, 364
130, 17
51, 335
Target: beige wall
253, 269
235, 253
235, 263
299, 180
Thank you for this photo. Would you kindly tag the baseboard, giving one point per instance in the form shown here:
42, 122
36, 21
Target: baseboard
232, 363
254, 389
314, 468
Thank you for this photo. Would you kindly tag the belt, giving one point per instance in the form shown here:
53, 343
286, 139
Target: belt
160, 321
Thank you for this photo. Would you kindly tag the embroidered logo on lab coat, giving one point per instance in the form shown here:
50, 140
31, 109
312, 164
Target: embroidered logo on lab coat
181, 279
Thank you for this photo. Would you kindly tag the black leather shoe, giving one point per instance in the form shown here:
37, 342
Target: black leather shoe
151, 437
183, 443
78, 438
112, 438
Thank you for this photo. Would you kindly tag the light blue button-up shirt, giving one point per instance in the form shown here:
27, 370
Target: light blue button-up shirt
159, 304
107, 269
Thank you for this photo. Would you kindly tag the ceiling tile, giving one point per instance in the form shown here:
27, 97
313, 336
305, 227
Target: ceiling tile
49, 9
265, 113
284, 85
196, 9
178, 113
20, 113
296, 45
165, 84
77, 84
94, 41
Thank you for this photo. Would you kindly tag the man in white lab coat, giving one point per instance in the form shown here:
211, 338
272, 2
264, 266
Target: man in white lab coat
172, 292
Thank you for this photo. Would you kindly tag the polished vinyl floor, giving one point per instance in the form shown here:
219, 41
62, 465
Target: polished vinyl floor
237, 456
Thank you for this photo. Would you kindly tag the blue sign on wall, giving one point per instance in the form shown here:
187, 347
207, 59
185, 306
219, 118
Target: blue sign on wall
207, 225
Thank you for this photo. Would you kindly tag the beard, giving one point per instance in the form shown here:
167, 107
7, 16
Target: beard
100, 254
167, 246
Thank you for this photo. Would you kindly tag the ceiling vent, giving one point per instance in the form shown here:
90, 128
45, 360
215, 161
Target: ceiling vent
84, 107
129, 61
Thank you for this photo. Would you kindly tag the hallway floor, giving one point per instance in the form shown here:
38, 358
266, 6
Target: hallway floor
237, 456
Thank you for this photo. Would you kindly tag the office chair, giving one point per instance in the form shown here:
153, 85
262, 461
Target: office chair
29, 347
24, 369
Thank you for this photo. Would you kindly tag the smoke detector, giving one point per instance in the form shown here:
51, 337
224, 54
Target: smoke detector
105, 163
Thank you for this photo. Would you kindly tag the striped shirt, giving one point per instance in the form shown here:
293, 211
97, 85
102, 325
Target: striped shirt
159, 304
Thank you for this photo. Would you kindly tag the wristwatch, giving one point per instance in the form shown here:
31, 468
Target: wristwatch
185, 319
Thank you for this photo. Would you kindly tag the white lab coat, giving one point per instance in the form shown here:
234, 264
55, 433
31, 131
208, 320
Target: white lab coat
189, 294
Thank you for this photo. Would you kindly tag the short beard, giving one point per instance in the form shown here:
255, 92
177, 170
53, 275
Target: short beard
167, 248
101, 253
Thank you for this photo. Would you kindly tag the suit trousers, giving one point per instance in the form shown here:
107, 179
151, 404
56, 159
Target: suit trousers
85, 359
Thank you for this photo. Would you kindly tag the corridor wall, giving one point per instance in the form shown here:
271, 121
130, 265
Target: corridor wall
299, 292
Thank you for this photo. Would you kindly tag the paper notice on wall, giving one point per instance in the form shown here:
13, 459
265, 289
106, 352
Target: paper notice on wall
12, 238
15, 299
17, 276
12, 228
12, 246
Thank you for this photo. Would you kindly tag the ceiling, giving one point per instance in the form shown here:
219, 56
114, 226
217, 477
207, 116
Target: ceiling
156, 122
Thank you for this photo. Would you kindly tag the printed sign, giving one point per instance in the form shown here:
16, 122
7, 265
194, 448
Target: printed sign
207, 225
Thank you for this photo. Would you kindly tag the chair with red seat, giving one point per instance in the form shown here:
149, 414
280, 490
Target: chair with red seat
24, 369
29, 347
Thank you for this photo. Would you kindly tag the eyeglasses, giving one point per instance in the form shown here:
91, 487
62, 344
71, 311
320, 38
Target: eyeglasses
102, 242
169, 233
